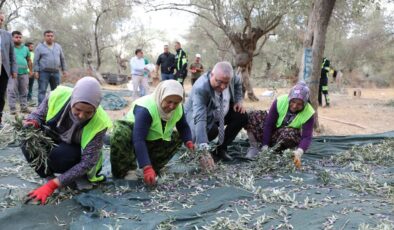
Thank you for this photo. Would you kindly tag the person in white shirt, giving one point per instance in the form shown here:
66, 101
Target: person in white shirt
138, 68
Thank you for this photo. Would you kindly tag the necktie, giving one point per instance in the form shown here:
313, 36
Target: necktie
221, 119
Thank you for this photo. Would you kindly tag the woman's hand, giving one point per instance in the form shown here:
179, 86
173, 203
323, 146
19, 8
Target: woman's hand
149, 175
190, 145
42, 193
297, 157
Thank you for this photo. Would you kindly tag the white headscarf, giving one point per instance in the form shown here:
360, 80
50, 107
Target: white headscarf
163, 90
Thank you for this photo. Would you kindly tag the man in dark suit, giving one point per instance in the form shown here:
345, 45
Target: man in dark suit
8, 63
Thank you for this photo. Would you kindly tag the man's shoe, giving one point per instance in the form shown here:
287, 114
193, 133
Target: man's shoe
221, 155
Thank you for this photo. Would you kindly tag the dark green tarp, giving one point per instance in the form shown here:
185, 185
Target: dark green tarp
195, 201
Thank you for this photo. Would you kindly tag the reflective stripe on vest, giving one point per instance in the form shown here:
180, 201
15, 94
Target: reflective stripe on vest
180, 62
282, 105
156, 128
100, 121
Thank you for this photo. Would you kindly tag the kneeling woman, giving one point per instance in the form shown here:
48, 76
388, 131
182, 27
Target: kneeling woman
146, 134
288, 124
77, 124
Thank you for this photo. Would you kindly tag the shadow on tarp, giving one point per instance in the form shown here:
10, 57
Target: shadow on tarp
85, 211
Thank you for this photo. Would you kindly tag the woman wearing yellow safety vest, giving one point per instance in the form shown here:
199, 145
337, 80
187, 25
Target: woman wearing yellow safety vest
146, 134
77, 123
288, 124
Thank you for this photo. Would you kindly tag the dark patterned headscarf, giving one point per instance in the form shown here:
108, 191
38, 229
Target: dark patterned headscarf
300, 91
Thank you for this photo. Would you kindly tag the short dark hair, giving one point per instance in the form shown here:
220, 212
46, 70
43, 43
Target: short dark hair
137, 51
16, 32
48, 32
29, 44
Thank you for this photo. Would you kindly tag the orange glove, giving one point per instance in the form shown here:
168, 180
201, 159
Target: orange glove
189, 145
149, 175
43, 192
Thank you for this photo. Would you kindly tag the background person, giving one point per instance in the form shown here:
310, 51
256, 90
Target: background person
8, 67
196, 68
323, 83
18, 87
166, 62
180, 63
48, 61
77, 123
32, 79
138, 71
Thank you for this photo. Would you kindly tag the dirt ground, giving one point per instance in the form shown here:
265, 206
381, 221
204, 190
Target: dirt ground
347, 114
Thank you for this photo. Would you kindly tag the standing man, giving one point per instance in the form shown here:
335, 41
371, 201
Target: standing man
18, 87
166, 61
323, 84
48, 61
7, 63
216, 101
138, 69
196, 68
180, 63
30, 46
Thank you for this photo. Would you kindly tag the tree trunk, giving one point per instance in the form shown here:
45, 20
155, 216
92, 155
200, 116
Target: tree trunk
244, 62
246, 85
314, 43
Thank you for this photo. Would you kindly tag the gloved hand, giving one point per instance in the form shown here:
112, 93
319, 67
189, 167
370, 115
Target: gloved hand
43, 192
149, 175
31, 123
206, 162
297, 157
189, 145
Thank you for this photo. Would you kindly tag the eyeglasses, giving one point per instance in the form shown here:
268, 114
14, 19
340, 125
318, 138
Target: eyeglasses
220, 82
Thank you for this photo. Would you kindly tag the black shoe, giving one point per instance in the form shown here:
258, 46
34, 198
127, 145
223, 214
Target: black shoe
221, 155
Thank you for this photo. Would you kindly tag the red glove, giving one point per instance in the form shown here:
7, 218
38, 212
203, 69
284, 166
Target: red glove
33, 123
43, 192
190, 145
149, 175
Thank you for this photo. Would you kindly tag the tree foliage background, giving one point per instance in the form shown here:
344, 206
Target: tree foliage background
360, 36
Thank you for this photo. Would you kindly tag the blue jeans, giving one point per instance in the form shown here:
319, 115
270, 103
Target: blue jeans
45, 78
167, 76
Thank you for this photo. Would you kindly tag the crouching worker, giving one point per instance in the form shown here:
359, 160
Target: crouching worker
76, 122
147, 133
288, 124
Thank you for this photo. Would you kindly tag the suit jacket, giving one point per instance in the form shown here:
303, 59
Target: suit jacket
200, 106
7, 53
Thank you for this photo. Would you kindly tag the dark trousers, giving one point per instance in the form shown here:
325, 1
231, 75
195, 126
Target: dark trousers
31, 84
60, 159
323, 91
3, 89
234, 122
